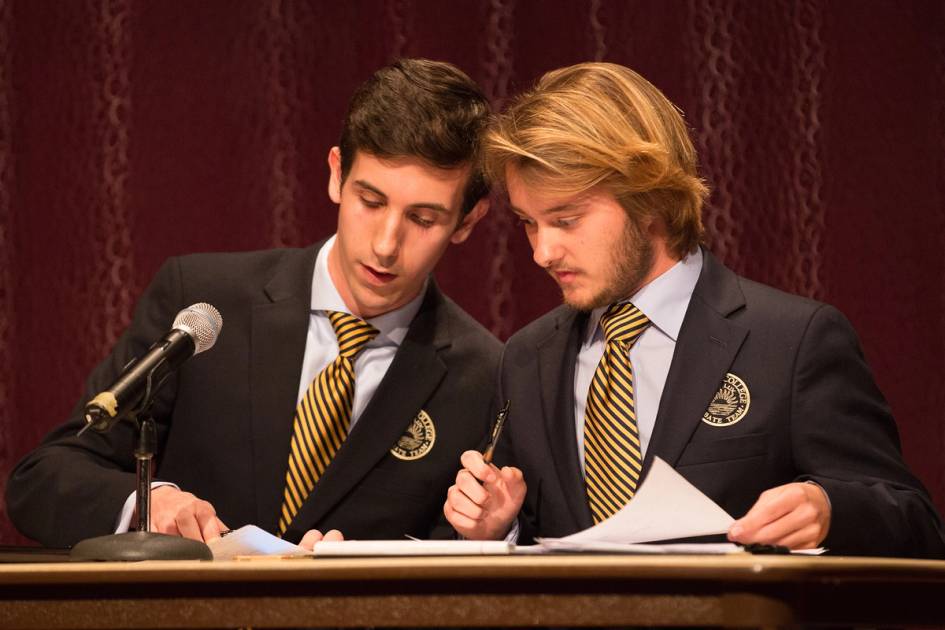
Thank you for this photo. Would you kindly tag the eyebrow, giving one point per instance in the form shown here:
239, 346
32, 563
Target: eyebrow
436, 207
565, 207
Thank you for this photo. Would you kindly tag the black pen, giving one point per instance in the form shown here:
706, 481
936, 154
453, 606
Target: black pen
496, 432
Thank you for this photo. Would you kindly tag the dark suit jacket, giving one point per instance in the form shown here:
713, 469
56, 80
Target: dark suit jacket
225, 421
815, 413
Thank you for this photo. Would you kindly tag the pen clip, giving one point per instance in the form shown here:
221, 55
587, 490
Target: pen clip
496, 431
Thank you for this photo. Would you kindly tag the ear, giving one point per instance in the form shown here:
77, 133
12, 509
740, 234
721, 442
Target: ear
654, 226
334, 178
466, 226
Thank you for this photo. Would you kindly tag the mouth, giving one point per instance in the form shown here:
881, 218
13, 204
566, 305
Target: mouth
563, 276
376, 276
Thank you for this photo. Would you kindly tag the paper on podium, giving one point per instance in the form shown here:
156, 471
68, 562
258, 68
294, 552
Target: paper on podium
413, 548
250, 540
664, 507
551, 545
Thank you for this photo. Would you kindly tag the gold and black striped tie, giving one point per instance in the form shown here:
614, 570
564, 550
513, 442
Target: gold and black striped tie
612, 457
323, 416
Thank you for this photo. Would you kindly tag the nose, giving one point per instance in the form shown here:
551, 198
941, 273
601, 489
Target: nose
387, 238
545, 247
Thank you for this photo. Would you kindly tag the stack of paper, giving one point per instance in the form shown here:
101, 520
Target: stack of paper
665, 507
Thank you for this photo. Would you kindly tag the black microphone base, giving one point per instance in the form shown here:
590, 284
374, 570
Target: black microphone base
137, 546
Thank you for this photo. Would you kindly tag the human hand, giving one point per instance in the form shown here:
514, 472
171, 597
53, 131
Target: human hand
180, 513
484, 501
795, 515
313, 536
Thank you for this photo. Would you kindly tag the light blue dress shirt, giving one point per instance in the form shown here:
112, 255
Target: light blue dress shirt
321, 344
664, 301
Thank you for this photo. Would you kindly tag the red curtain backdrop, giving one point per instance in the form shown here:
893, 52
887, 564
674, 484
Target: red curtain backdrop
133, 130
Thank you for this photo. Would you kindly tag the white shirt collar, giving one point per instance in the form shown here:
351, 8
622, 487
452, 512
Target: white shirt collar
664, 300
392, 326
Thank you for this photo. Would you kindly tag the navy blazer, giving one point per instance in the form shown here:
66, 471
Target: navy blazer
225, 420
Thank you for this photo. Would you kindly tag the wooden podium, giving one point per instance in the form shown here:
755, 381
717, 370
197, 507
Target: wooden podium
558, 590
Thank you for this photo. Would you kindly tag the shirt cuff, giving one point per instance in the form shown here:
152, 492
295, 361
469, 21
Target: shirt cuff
512, 536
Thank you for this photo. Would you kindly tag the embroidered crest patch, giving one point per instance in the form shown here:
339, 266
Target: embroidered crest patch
730, 403
418, 440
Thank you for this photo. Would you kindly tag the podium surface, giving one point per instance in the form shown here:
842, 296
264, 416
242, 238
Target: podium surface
739, 590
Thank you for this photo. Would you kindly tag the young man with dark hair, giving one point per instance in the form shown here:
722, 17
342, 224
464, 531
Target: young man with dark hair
344, 385
761, 399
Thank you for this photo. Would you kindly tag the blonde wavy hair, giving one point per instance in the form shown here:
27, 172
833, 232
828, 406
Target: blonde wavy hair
601, 124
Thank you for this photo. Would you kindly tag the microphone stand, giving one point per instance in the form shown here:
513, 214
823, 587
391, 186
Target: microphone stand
141, 544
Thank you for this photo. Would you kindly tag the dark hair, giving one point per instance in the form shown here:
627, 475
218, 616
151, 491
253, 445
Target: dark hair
419, 108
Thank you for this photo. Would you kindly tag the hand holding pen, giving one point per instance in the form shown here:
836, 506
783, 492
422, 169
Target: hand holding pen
485, 500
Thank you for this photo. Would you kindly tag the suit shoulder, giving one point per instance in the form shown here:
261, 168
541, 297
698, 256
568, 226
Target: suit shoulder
236, 274
743, 300
234, 263
762, 297
788, 313
464, 329
543, 327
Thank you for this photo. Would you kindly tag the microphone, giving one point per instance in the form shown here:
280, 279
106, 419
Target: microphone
195, 329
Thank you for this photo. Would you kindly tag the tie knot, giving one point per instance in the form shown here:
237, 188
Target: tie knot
623, 322
352, 333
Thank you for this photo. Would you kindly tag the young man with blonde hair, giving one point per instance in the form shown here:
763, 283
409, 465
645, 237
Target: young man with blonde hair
761, 399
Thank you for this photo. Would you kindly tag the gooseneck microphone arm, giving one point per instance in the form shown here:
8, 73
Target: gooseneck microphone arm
133, 390
195, 329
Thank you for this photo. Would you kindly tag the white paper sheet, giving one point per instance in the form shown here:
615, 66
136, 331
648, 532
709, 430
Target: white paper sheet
553, 545
412, 548
253, 541
665, 507
250, 540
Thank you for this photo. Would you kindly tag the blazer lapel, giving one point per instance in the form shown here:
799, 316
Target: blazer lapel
705, 350
408, 384
277, 349
557, 355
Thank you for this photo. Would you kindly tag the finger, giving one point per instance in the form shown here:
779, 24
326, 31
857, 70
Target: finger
464, 525
211, 528
164, 526
311, 537
805, 538
187, 525
803, 508
512, 481
770, 506
472, 489
207, 521
461, 504
477, 466
787, 525
333, 535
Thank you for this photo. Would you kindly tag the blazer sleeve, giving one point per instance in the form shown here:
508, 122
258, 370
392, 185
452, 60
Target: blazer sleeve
71, 488
845, 439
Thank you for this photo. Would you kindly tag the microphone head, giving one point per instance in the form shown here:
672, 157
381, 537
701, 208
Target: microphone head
202, 322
